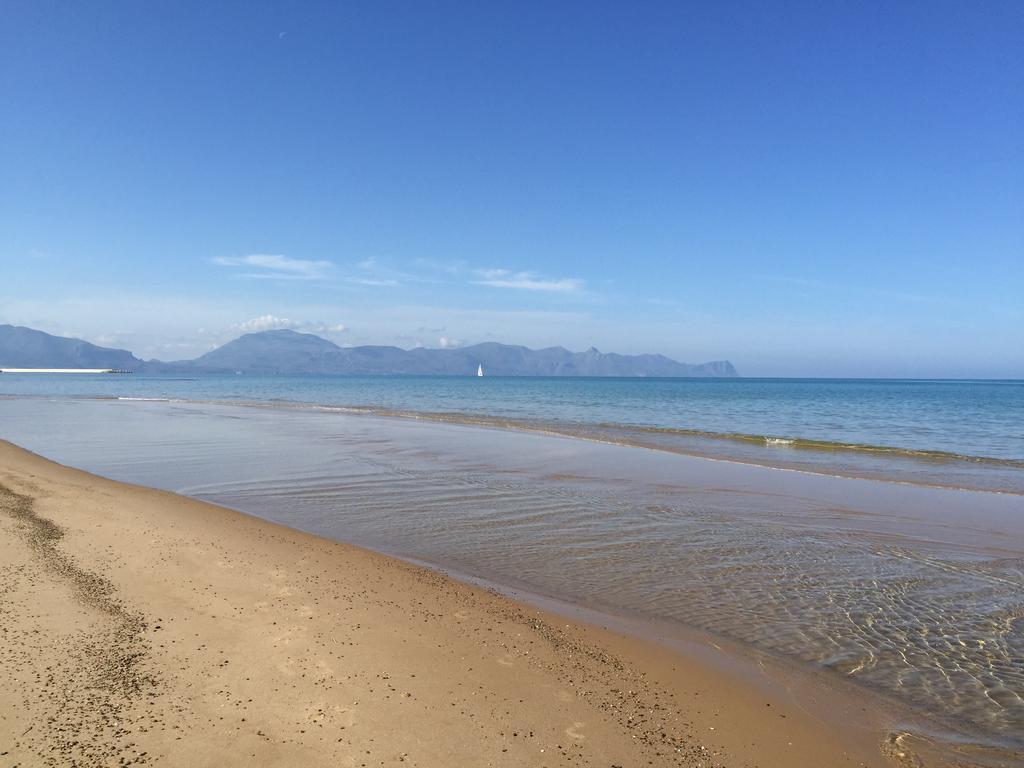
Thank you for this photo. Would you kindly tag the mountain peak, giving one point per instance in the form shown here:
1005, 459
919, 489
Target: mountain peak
22, 347
276, 351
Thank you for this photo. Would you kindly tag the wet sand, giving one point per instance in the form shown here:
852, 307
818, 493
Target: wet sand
141, 627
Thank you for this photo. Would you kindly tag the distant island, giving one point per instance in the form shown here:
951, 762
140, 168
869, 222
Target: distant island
290, 352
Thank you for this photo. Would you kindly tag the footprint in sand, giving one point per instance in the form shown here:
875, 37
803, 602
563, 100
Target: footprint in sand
278, 574
506, 660
261, 606
344, 715
574, 733
461, 615
564, 695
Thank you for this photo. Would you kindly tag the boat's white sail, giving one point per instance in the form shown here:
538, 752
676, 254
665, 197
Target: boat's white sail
479, 370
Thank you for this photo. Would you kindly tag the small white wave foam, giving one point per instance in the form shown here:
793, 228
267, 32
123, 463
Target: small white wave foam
148, 399
345, 409
777, 441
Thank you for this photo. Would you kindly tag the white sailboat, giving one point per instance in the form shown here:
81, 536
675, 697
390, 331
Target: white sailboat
479, 370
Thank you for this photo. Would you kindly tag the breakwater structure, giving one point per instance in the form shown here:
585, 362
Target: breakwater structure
64, 370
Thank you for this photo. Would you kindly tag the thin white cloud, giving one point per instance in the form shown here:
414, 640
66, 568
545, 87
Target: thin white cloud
277, 267
527, 281
446, 267
373, 272
274, 323
446, 342
265, 323
374, 281
326, 327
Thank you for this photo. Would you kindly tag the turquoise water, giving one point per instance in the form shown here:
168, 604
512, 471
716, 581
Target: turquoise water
961, 433
973, 418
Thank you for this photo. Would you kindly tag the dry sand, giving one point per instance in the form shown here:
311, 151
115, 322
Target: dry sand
141, 627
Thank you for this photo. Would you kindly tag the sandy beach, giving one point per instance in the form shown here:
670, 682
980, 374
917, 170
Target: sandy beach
142, 627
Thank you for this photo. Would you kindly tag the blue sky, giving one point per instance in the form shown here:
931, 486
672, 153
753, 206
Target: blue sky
816, 188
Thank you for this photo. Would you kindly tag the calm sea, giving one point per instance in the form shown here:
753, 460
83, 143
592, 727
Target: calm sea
893, 559
966, 434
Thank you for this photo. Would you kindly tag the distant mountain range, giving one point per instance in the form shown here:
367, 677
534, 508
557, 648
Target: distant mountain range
287, 351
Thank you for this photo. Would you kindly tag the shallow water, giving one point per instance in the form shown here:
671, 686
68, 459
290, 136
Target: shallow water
913, 592
966, 434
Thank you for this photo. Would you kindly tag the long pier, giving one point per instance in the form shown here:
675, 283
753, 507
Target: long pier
63, 370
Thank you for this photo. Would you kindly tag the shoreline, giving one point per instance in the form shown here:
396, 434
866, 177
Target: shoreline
529, 665
905, 738
644, 437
